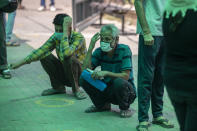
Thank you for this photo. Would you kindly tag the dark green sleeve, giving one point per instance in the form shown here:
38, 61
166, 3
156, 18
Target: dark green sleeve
126, 60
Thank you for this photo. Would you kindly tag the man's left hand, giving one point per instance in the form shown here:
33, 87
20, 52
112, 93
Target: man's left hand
17, 64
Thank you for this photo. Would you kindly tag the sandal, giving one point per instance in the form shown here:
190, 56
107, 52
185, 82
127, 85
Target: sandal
12, 43
52, 92
125, 113
6, 74
163, 122
80, 95
143, 126
92, 109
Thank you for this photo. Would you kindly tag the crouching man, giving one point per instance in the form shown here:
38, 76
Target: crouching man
116, 69
71, 50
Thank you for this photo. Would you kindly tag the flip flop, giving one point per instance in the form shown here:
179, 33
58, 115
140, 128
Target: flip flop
163, 122
125, 113
143, 126
52, 92
80, 95
93, 109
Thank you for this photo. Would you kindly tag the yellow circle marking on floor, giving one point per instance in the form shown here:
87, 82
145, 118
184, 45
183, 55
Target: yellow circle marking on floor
44, 101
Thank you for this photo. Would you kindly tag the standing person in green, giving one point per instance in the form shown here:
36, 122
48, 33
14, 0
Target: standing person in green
150, 63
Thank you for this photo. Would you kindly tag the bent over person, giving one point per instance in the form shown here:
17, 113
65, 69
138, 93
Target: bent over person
71, 50
116, 69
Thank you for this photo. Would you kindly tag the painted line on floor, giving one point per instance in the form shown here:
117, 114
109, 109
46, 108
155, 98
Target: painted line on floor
43, 102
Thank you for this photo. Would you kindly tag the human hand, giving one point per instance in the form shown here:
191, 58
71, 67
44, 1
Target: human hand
94, 39
66, 25
99, 74
148, 39
17, 64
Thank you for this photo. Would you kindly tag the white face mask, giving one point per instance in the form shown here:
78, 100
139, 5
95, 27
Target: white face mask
58, 35
105, 47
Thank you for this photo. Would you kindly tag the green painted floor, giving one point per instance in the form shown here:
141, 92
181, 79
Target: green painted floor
22, 108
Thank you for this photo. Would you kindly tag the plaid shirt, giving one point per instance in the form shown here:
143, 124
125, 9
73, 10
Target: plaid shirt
75, 46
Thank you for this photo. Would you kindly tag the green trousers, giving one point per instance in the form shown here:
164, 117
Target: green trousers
150, 80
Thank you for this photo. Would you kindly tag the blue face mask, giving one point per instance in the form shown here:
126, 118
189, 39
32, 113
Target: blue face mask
58, 35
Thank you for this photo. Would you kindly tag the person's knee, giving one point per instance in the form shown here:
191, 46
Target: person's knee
68, 65
119, 84
68, 61
124, 87
43, 60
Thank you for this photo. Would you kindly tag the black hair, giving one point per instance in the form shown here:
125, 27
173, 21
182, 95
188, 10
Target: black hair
59, 19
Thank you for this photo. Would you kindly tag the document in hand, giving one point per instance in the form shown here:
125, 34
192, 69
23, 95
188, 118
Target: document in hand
100, 85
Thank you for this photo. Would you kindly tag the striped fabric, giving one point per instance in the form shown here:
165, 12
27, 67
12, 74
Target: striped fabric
75, 46
121, 60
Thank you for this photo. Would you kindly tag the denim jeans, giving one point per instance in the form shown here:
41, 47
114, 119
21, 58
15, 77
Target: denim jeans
10, 25
42, 3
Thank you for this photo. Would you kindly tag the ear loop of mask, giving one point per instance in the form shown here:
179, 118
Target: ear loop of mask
114, 43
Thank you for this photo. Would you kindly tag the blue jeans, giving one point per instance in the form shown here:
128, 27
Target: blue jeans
42, 3
10, 25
